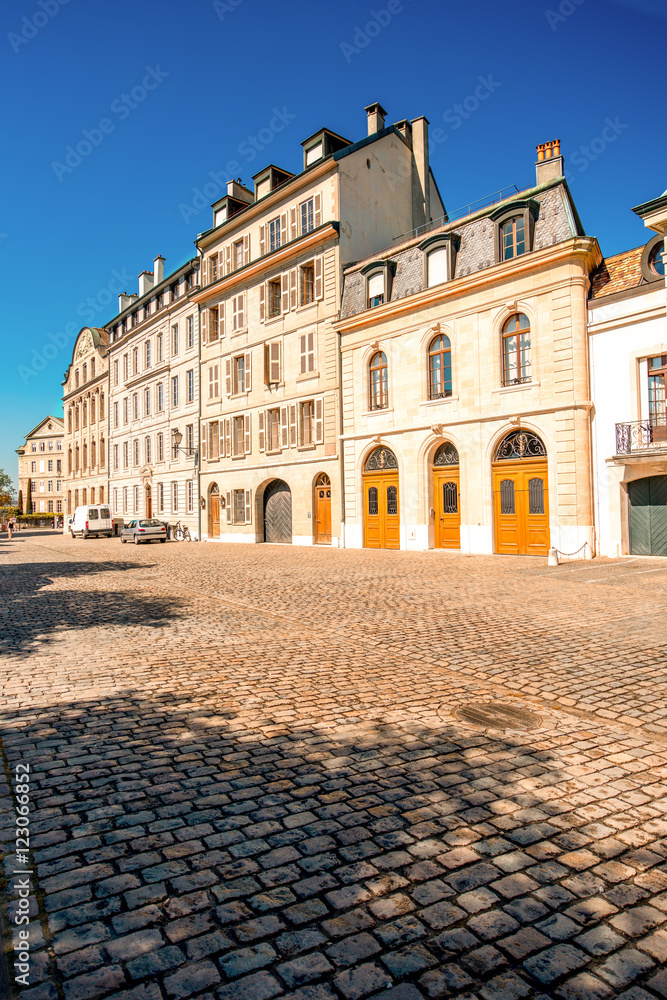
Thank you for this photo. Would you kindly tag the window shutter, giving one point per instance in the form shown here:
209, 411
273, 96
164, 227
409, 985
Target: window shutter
283, 228
292, 425
228, 259
204, 270
292, 289
229, 506
204, 326
221, 319
248, 507
210, 382
284, 430
221, 441
319, 420
247, 371
319, 283
274, 366
228, 376
247, 439
310, 365
242, 310
302, 352
228, 436
284, 288
246, 248
317, 210
260, 429
262, 300
262, 240
203, 441
292, 224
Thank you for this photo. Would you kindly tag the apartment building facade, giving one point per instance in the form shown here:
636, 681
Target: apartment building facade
153, 358
86, 435
627, 314
272, 267
41, 468
465, 389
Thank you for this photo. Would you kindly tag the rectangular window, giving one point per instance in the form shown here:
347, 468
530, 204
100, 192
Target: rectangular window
135, 451
213, 441
159, 397
160, 347
237, 254
126, 454
174, 339
190, 495
376, 290
174, 391
115, 372
125, 499
189, 439
59, 465
273, 429
238, 436
237, 374
307, 352
135, 406
190, 331
306, 422
160, 447
59, 506
238, 312
33, 466
213, 324
147, 402
136, 499
214, 381
49, 465
307, 216
147, 310
135, 361
239, 506
174, 497
49, 486
274, 297
147, 354
213, 268
160, 497
274, 234
115, 456
115, 414
307, 283
273, 367
190, 385
125, 410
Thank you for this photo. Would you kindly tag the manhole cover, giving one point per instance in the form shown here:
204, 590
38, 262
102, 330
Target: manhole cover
496, 715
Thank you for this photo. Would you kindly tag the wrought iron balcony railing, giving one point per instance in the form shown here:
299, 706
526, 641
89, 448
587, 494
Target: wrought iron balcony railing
642, 435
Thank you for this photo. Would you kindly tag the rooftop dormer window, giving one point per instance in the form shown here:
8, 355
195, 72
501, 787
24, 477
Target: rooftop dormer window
653, 260
439, 258
378, 275
515, 229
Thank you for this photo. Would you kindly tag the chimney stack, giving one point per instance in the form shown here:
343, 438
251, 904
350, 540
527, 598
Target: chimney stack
376, 116
145, 282
549, 163
123, 301
421, 180
158, 273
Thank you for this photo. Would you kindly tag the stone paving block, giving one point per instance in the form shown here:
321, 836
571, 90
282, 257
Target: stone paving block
304, 969
258, 986
621, 968
362, 980
584, 987
191, 979
555, 962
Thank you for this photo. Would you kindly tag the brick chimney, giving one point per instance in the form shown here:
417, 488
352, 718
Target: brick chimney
158, 273
550, 163
376, 116
145, 282
421, 181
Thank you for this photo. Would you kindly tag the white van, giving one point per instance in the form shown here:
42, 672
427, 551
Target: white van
93, 519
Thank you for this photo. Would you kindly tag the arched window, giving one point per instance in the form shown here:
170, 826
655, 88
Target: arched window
76, 459
513, 237
93, 454
516, 350
85, 455
520, 444
446, 455
85, 414
380, 459
102, 455
439, 368
379, 383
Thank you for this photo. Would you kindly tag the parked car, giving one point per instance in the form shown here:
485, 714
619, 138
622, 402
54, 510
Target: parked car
147, 530
93, 519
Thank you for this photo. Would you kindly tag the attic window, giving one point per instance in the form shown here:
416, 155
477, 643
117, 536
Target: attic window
439, 258
378, 275
376, 290
653, 260
656, 260
314, 153
515, 229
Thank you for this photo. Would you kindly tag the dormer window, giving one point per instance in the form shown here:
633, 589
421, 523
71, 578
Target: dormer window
378, 277
376, 290
516, 227
314, 153
439, 258
653, 260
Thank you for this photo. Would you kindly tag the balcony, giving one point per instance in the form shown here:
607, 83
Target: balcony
641, 436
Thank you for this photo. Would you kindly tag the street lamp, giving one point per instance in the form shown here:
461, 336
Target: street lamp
177, 437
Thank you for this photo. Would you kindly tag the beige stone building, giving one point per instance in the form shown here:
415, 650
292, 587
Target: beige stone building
272, 268
86, 438
465, 384
41, 468
153, 361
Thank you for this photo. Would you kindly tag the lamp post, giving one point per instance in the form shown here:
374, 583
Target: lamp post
176, 438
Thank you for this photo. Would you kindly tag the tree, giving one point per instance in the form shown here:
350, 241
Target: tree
7, 492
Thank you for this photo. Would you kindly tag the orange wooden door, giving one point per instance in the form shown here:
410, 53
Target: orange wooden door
214, 515
521, 508
149, 503
382, 524
447, 505
323, 515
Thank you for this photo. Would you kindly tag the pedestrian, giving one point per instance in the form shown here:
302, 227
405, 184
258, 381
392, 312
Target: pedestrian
10, 528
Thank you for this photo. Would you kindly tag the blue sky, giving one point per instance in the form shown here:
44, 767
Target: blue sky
183, 89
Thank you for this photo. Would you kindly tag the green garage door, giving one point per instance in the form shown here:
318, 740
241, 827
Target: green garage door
648, 516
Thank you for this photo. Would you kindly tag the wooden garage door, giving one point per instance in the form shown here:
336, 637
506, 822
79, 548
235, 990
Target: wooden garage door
648, 516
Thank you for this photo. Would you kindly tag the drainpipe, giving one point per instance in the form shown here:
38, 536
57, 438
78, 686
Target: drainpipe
341, 442
199, 443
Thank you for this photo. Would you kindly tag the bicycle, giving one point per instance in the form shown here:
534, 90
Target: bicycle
181, 533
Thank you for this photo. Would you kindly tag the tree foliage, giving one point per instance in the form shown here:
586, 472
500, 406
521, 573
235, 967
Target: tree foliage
7, 492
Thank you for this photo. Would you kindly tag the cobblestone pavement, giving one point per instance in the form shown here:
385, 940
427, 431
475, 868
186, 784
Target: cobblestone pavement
247, 780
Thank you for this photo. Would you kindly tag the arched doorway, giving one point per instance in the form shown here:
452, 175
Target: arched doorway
214, 511
278, 512
322, 507
382, 525
149, 502
648, 516
521, 496
446, 497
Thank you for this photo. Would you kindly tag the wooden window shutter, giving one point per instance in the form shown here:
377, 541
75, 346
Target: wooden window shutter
310, 366
228, 259
262, 240
262, 301
293, 302
303, 353
283, 228
274, 362
248, 507
204, 326
221, 319
317, 210
228, 376
228, 436
292, 425
292, 224
204, 270
247, 438
242, 310
284, 288
247, 371
319, 420
319, 283
284, 428
211, 382
203, 439
229, 506
246, 248
260, 429
221, 440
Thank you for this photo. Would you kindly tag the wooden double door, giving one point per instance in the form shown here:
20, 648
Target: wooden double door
278, 513
521, 507
382, 526
447, 506
648, 516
